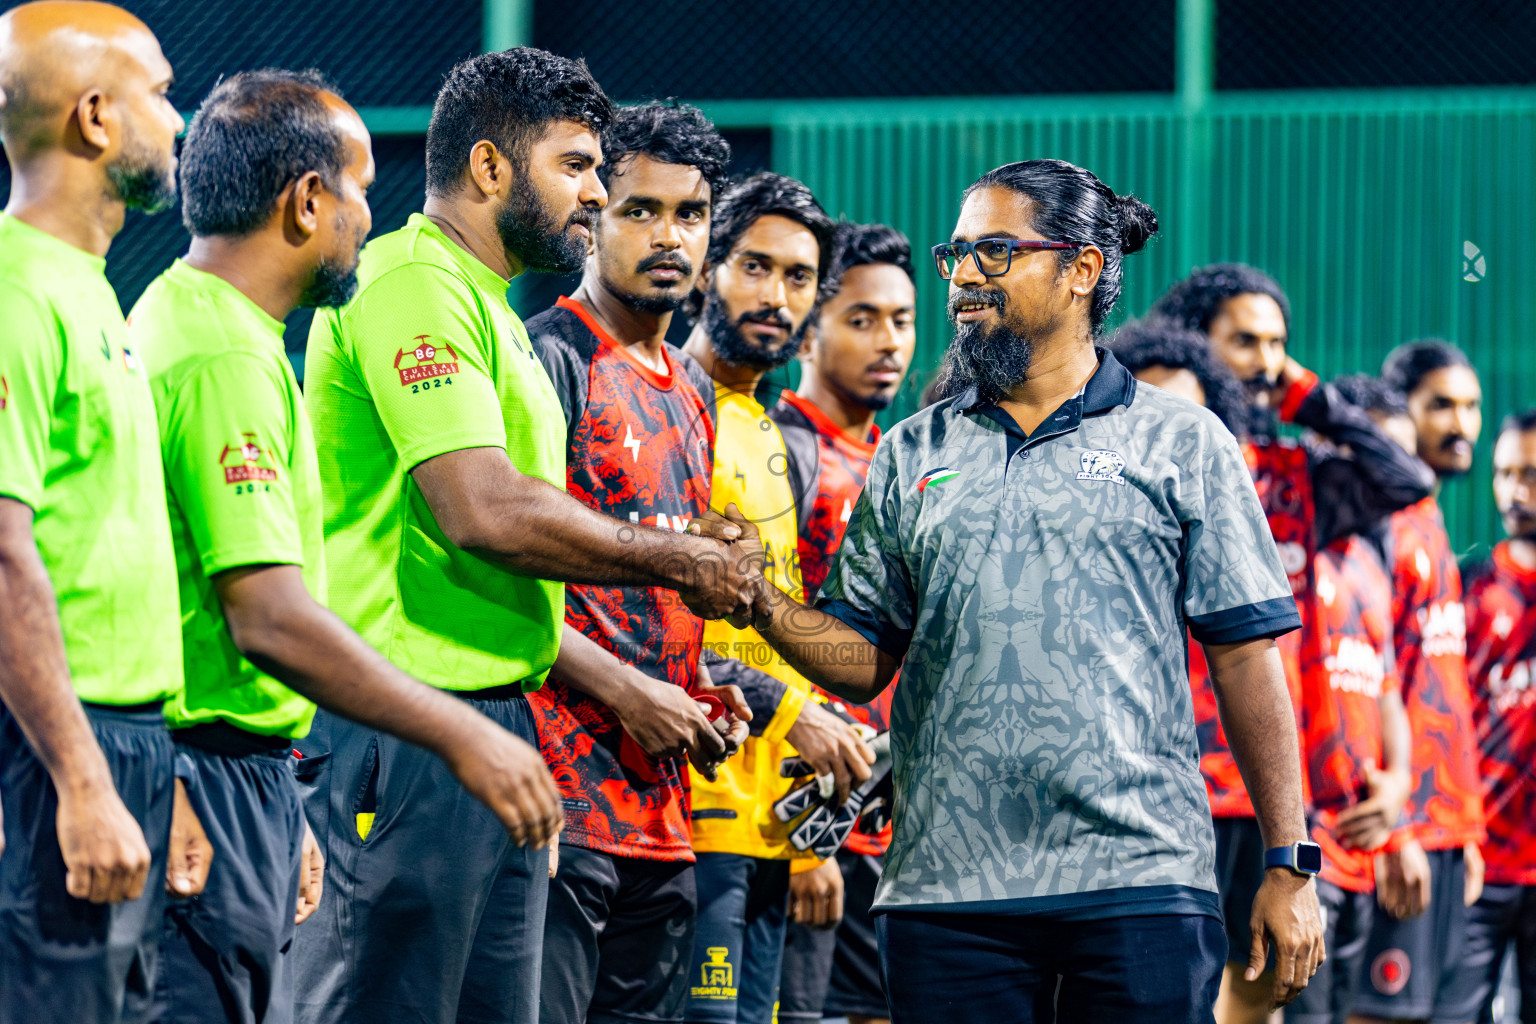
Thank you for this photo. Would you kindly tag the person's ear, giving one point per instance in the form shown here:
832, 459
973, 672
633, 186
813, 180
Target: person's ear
305, 204
1085, 270
812, 339
489, 169
97, 120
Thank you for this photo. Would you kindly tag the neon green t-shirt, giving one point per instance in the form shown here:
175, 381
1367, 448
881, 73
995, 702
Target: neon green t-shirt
427, 359
77, 444
242, 483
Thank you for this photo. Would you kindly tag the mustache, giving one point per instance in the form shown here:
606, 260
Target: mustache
665, 261
884, 363
1452, 440
586, 216
994, 297
770, 317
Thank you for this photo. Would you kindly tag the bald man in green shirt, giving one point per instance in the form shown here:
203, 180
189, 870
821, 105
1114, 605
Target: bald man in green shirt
89, 636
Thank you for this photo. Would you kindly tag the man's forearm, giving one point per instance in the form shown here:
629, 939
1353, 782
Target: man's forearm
532, 528
287, 634
34, 671
828, 651
1255, 708
1396, 735
589, 668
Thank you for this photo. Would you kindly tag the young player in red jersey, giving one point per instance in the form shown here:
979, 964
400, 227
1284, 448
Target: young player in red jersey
1412, 956
856, 356
1501, 659
622, 904
1246, 317
1355, 745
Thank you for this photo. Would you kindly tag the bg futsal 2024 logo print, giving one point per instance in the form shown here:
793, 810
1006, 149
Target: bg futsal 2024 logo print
426, 366
1102, 464
243, 467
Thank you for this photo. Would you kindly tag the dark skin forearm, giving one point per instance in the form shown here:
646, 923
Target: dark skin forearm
1255, 709
826, 650
485, 506
34, 673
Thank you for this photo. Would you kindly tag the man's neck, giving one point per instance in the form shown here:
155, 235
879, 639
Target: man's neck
472, 227
1060, 370
260, 266
740, 379
1522, 551
645, 334
852, 418
57, 195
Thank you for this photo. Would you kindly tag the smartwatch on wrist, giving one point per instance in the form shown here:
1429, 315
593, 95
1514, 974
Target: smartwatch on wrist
1304, 858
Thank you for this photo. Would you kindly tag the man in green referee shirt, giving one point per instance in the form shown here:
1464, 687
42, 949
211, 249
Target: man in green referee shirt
274, 174
442, 458
89, 644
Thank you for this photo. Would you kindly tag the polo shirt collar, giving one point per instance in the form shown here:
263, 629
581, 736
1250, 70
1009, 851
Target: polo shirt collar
1111, 385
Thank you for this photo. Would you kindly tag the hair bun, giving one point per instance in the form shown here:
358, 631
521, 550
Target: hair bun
1138, 223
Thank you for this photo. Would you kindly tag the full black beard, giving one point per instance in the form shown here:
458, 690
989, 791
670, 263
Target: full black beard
994, 361
531, 231
733, 347
144, 180
333, 286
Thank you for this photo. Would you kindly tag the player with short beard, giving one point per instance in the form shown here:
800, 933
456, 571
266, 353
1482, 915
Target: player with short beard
769, 249
857, 353
1412, 957
1245, 316
448, 535
639, 424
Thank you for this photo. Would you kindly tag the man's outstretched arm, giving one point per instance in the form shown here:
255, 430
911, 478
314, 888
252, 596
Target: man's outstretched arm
287, 634
486, 506
105, 855
826, 650
1255, 708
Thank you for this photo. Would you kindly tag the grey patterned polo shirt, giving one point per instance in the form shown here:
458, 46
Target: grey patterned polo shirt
1040, 589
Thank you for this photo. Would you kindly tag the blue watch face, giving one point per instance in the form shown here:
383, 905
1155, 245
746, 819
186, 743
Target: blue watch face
1309, 858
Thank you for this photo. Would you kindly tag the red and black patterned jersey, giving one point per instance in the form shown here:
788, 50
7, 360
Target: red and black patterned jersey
843, 463
1347, 666
1429, 626
1501, 657
1281, 475
641, 450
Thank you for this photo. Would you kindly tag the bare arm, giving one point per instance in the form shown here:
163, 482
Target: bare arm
1369, 824
826, 650
106, 857
283, 631
1255, 708
485, 506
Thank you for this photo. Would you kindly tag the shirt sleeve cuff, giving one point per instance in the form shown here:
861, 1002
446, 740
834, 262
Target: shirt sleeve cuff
1260, 620
788, 712
876, 630
800, 865
1296, 394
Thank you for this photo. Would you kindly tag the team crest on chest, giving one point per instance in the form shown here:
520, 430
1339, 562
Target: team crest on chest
1102, 464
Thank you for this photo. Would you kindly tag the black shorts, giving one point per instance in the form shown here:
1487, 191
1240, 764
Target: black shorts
1505, 914
1409, 966
806, 973
64, 959
737, 950
959, 968
1347, 918
618, 938
225, 955
856, 987
1239, 873
437, 917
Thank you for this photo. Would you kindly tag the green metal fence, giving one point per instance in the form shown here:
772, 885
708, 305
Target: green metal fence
1386, 216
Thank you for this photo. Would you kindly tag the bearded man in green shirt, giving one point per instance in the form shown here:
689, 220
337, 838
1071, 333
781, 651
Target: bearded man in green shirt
90, 645
448, 539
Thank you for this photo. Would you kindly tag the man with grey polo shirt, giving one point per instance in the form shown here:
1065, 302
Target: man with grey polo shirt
1031, 550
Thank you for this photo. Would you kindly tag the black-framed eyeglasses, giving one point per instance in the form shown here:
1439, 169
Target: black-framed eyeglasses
993, 256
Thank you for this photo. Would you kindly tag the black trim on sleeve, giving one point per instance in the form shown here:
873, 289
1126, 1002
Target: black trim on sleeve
876, 630
1260, 620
